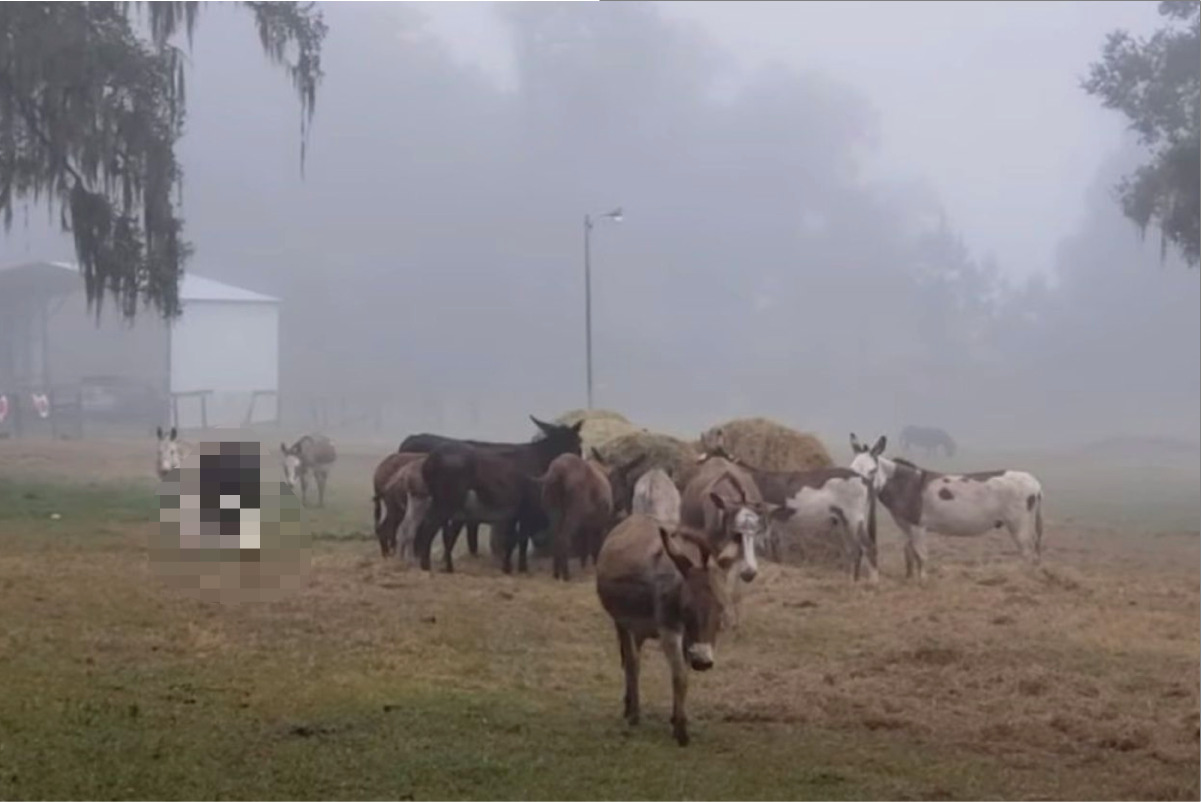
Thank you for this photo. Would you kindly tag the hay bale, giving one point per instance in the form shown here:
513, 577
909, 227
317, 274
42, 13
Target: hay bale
600, 426
767, 445
661, 450
569, 418
824, 548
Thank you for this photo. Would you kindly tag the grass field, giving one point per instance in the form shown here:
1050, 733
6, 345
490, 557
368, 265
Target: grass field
1077, 680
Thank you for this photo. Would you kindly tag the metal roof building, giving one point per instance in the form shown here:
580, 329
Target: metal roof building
216, 366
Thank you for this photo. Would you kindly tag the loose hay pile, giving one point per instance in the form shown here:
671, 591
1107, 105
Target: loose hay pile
662, 451
601, 426
767, 445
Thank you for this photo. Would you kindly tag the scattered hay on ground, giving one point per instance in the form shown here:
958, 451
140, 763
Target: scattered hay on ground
767, 445
601, 426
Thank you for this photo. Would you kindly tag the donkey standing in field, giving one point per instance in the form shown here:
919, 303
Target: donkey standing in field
823, 499
578, 499
722, 501
389, 507
661, 585
311, 453
956, 505
928, 438
170, 454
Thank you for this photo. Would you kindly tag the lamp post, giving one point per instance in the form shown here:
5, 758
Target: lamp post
615, 216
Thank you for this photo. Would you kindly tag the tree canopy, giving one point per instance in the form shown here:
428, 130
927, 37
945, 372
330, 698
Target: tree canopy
1156, 83
91, 106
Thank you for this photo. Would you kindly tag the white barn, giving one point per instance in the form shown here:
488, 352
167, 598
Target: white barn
216, 366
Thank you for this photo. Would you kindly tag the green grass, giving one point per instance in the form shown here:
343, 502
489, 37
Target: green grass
379, 683
119, 501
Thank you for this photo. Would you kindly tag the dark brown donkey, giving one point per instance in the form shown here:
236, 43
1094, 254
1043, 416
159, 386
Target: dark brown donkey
491, 485
425, 443
660, 585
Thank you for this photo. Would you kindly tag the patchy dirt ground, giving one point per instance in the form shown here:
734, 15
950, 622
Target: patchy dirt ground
1075, 680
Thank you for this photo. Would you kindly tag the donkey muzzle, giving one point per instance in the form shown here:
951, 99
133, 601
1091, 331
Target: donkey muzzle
700, 656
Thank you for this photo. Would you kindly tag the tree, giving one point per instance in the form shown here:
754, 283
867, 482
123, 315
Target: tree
1156, 83
91, 107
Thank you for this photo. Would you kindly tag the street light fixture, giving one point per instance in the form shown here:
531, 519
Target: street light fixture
616, 217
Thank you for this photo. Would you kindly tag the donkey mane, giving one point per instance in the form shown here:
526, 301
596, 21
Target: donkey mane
906, 463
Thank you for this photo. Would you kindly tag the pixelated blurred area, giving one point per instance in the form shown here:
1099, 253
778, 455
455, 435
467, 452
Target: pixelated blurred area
226, 534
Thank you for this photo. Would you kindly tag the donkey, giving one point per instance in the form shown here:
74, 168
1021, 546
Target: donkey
661, 585
386, 518
312, 452
956, 505
722, 501
408, 493
425, 443
492, 485
928, 438
171, 454
656, 495
389, 506
823, 499
578, 499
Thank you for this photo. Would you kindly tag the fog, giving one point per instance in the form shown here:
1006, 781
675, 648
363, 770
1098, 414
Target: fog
843, 216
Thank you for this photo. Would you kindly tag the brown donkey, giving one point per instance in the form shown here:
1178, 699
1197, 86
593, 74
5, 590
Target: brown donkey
722, 501
386, 524
578, 499
662, 586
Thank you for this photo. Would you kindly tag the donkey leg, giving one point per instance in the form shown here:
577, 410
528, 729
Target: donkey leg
321, 477
473, 539
631, 653
1023, 539
434, 519
508, 533
523, 546
560, 543
450, 536
869, 554
673, 648
920, 556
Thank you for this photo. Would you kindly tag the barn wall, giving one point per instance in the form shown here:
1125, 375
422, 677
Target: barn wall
79, 348
229, 348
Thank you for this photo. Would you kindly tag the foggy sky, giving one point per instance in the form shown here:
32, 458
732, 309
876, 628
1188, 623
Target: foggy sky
783, 168
981, 100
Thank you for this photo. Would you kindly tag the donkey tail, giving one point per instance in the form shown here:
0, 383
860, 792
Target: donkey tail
375, 503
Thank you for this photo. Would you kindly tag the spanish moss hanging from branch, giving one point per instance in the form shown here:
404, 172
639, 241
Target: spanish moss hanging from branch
90, 114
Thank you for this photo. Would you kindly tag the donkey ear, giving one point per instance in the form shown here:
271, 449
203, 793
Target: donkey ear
856, 446
878, 448
283, 448
578, 426
681, 562
173, 432
159, 432
538, 423
596, 455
